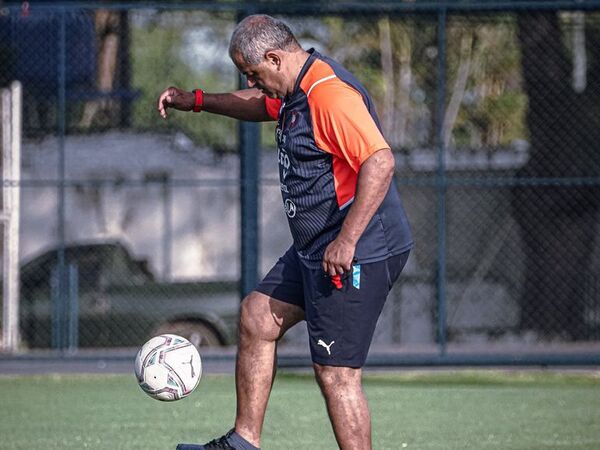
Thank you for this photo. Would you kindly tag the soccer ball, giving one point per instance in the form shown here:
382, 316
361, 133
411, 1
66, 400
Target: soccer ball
168, 367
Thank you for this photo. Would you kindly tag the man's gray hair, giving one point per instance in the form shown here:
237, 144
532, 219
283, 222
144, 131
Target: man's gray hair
257, 34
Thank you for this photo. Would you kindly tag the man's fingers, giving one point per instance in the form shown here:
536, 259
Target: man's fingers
162, 110
161, 106
166, 101
330, 269
346, 267
334, 269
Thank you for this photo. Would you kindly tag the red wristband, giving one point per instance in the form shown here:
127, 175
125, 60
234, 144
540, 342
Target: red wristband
199, 102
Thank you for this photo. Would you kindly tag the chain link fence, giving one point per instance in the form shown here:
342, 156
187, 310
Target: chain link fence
130, 223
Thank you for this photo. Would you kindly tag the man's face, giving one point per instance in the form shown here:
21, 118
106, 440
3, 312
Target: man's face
265, 76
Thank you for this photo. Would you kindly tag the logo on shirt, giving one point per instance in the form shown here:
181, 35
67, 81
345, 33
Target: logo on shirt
284, 162
294, 116
290, 208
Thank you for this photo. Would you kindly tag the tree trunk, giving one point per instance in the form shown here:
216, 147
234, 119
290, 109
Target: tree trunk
102, 112
387, 71
557, 221
460, 85
405, 77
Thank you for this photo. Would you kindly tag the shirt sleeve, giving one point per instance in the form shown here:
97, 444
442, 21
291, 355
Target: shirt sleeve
273, 105
342, 123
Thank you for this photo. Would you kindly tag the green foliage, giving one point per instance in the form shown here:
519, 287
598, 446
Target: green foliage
267, 135
158, 62
492, 102
493, 107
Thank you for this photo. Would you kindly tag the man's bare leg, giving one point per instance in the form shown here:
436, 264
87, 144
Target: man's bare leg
346, 405
263, 321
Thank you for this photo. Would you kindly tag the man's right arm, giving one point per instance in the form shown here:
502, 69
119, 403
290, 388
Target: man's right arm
246, 104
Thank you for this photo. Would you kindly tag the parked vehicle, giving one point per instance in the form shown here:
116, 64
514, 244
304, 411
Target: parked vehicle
120, 303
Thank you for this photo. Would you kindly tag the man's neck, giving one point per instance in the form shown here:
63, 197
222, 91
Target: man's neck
297, 61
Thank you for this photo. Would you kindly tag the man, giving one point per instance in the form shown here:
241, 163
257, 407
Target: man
351, 237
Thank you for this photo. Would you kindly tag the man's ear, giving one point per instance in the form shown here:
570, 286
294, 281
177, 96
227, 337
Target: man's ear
273, 57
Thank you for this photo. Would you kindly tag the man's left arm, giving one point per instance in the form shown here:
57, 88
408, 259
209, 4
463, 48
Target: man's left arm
374, 178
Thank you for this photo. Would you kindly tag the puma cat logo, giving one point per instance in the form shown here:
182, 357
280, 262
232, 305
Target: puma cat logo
327, 347
191, 365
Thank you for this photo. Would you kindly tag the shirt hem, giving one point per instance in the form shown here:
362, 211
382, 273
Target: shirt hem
317, 262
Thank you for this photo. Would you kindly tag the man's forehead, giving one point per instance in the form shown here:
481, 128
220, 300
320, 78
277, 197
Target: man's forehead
241, 63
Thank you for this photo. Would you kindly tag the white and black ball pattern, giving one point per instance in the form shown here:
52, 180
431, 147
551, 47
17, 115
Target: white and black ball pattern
168, 367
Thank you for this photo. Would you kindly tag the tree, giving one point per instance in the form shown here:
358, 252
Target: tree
557, 220
112, 33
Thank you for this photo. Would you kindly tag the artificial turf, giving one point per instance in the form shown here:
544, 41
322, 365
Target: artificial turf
458, 410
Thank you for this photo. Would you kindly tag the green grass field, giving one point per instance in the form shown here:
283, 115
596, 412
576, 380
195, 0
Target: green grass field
459, 410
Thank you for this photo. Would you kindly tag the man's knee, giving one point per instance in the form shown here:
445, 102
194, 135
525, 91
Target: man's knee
264, 318
337, 378
254, 318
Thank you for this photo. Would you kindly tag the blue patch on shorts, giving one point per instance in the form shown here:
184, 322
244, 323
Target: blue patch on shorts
356, 276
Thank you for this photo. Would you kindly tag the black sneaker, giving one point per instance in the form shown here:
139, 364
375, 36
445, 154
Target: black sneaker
216, 444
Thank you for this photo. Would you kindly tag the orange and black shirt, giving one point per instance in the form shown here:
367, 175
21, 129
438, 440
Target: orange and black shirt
325, 130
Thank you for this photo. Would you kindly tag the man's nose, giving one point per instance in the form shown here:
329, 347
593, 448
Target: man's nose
251, 83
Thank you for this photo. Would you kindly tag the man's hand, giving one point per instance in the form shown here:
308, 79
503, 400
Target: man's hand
176, 98
374, 178
338, 256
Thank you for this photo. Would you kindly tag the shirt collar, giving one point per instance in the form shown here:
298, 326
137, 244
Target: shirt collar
313, 55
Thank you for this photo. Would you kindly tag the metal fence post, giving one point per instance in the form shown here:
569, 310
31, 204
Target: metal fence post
57, 313
61, 119
10, 135
73, 308
249, 174
249, 133
65, 308
167, 251
441, 181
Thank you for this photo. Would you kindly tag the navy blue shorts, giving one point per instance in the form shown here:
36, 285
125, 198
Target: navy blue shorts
340, 322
